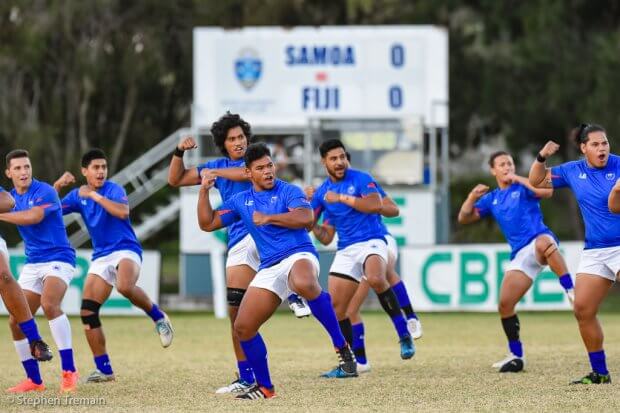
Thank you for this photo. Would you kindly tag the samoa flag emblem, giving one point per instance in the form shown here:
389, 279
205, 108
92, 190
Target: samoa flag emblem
248, 68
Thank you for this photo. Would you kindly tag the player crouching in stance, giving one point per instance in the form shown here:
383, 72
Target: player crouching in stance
117, 256
515, 205
50, 264
593, 182
276, 215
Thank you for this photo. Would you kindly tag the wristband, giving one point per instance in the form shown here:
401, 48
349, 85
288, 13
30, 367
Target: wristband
178, 152
540, 158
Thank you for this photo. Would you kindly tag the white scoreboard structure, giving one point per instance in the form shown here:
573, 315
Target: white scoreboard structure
278, 76
286, 81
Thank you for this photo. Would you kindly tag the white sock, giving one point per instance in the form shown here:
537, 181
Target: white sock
61, 331
23, 349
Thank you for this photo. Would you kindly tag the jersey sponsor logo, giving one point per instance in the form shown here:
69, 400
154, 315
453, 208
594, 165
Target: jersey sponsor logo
582, 175
351, 190
83, 202
274, 199
610, 176
30, 203
248, 68
515, 195
249, 202
495, 201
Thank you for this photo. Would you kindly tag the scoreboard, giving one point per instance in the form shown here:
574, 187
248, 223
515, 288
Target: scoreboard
277, 76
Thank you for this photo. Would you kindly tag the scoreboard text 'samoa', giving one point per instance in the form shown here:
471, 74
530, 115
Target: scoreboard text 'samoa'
277, 76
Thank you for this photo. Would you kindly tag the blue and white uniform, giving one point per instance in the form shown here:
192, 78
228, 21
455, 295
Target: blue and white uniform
113, 238
48, 251
516, 209
359, 234
279, 247
241, 246
592, 186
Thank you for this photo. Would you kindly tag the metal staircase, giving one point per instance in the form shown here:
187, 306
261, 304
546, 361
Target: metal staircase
141, 179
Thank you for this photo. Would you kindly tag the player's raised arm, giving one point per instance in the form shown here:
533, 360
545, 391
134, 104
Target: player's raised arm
296, 218
6, 202
540, 175
468, 212
29, 217
208, 219
177, 174
65, 179
232, 174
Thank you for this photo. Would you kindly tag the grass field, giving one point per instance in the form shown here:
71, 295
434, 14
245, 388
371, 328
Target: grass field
450, 372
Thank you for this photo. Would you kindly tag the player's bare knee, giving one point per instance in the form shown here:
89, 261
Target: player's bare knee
377, 282
583, 311
243, 330
505, 307
51, 308
545, 247
125, 289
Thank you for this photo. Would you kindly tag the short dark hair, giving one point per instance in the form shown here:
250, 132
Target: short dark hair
14, 154
582, 131
330, 144
91, 155
495, 155
254, 152
220, 129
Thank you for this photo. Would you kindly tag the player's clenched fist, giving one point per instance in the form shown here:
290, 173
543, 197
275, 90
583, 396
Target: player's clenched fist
549, 149
259, 218
479, 190
66, 179
187, 144
309, 191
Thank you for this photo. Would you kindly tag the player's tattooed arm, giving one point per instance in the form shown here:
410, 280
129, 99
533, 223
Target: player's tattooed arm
117, 209
324, 233
370, 204
208, 219
232, 174
468, 212
65, 179
539, 192
177, 174
389, 208
31, 216
540, 175
7, 203
613, 202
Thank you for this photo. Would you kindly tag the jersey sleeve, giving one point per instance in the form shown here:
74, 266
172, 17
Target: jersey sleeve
380, 190
366, 185
70, 203
46, 198
214, 164
228, 213
295, 198
558, 176
483, 206
117, 194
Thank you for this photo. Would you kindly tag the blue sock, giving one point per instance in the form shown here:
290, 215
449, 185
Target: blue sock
400, 324
155, 313
256, 352
30, 330
403, 300
597, 361
103, 364
323, 311
566, 282
66, 359
358, 346
516, 347
32, 370
245, 371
